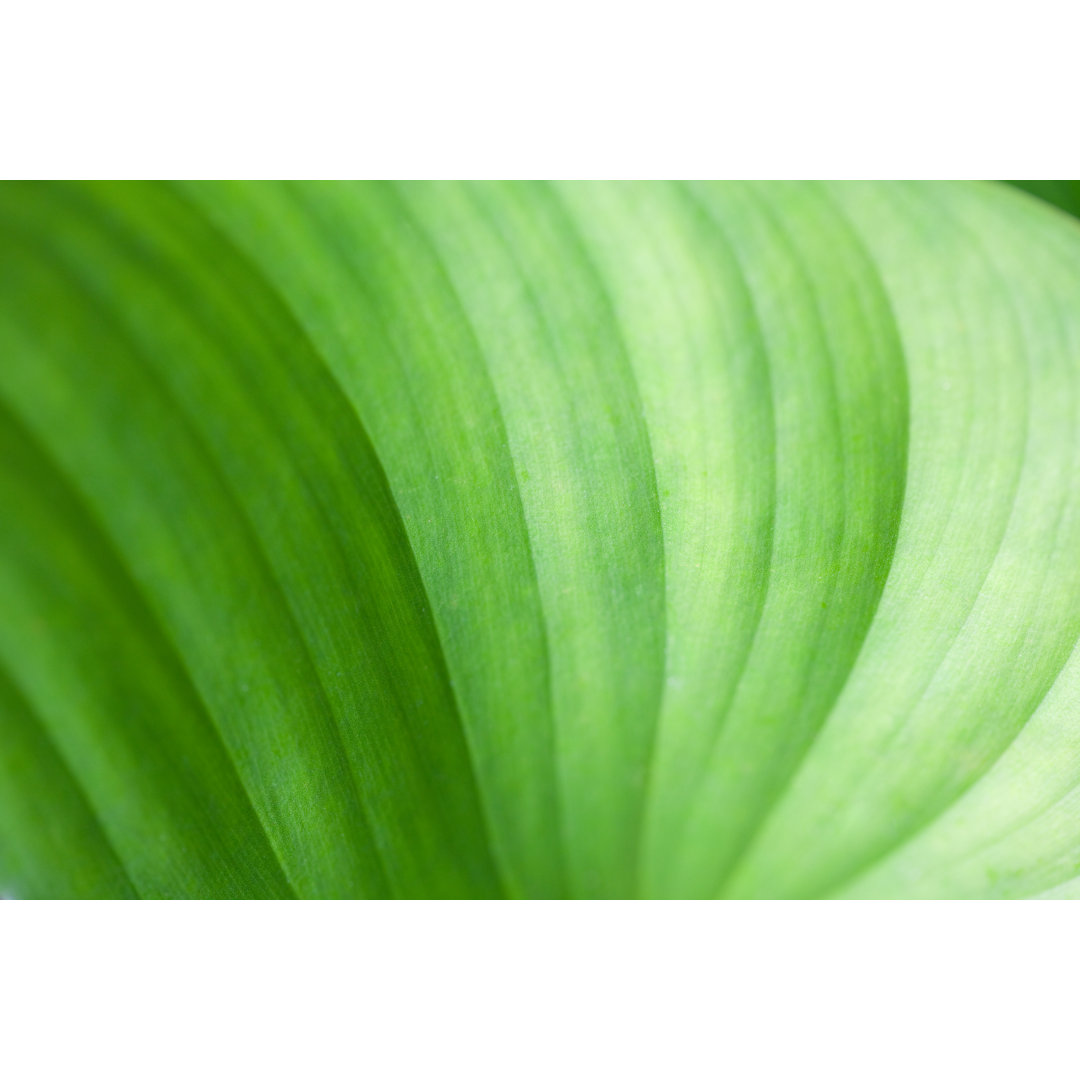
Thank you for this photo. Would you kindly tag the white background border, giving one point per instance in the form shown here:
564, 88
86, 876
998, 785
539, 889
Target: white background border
873, 991
766, 89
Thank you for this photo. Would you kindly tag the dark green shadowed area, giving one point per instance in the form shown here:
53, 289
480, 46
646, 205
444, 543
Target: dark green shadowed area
257, 519
1064, 194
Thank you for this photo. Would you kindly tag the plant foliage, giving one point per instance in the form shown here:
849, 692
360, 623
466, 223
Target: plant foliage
539, 540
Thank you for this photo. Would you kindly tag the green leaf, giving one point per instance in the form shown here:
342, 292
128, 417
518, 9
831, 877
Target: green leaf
538, 540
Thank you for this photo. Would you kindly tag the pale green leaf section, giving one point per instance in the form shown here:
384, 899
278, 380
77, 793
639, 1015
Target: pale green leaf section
980, 612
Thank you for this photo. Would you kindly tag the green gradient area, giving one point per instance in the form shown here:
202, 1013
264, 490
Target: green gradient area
539, 540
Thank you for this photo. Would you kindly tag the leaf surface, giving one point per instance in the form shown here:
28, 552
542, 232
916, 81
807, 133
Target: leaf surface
538, 540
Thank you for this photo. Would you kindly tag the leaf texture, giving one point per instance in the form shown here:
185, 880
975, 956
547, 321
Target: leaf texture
538, 540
